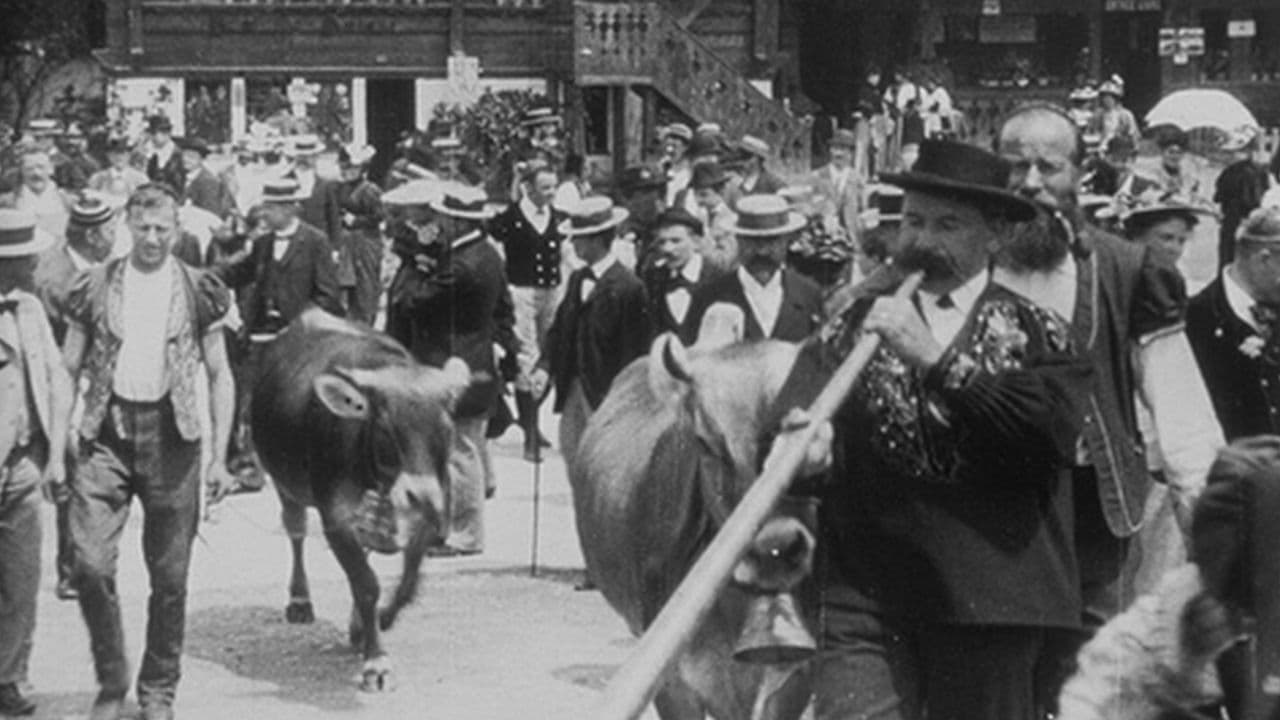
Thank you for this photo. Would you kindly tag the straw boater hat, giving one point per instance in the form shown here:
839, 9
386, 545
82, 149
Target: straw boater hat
763, 216
593, 215
754, 146
42, 126
301, 145
884, 207
1113, 86
463, 202
965, 171
18, 235
539, 116
282, 190
92, 209
677, 130
414, 193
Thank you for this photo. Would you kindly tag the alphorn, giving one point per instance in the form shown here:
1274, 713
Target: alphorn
632, 687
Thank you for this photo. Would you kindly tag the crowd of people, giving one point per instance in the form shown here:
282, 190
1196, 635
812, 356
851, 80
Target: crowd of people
990, 502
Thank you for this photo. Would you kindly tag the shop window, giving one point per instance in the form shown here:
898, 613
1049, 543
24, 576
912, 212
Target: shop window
208, 110
290, 106
1016, 50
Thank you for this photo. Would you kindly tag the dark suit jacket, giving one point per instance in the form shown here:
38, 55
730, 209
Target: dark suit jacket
800, 315
172, 172
1124, 293
657, 284
302, 277
323, 209
950, 499
593, 341
209, 192
1245, 390
461, 309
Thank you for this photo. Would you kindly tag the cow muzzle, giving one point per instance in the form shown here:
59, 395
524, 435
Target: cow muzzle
417, 502
774, 632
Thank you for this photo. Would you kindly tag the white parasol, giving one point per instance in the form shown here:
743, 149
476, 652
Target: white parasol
1202, 108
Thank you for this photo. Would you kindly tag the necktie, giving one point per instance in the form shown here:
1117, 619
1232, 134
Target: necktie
8, 306
1268, 319
587, 284
678, 281
946, 303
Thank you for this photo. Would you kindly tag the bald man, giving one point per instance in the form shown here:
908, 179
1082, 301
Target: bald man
1125, 306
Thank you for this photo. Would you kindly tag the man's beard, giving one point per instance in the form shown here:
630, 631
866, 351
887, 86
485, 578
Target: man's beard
761, 265
1036, 245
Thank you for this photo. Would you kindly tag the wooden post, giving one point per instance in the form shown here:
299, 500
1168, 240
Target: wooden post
457, 25
135, 28
764, 40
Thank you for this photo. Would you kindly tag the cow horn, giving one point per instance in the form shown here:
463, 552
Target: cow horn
774, 632
675, 359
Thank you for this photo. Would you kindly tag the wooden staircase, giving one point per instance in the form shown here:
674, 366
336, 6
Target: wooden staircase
637, 43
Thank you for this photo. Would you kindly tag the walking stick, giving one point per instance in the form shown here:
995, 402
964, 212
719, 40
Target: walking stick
532, 429
631, 688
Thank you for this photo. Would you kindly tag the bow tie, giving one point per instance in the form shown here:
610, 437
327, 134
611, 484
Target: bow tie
677, 281
8, 306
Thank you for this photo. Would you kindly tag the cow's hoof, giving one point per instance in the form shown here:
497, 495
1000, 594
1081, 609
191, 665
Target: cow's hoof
376, 675
299, 612
387, 618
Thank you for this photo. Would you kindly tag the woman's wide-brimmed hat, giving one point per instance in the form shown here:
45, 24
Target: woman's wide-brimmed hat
1158, 203
965, 171
464, 202
766, 216
18, 234
593, 215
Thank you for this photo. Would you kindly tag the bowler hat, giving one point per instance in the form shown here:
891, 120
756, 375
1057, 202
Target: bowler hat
707, 175
950, 168
706, 145
194, 144
766, 216
678, 216
640, 177
159, 123
593, 215
18, 234
118, 145
1262, 225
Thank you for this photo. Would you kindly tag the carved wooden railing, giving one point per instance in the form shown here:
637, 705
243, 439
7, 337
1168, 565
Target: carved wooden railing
638, 43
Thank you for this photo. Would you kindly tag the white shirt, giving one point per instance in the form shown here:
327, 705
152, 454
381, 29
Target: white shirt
306, 181
598, 270
280, 245
840, 178
765, 300
162, 154
78, 261
946, 322
538, 217
1239, 300
678, 299
141, 374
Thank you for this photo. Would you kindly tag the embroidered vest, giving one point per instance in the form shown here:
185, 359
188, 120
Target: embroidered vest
183, 354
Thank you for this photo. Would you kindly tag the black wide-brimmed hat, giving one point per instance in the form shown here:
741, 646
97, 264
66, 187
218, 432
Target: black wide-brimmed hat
965, 171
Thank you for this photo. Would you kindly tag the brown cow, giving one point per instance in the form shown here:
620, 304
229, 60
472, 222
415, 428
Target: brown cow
341, 410
662, 461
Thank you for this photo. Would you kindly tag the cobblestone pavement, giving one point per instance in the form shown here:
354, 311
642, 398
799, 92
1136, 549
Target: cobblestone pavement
484, 641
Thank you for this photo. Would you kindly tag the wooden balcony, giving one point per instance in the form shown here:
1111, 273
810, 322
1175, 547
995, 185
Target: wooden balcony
638, 43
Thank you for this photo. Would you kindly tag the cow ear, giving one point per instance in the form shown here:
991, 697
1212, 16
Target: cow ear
668, 367
341, 396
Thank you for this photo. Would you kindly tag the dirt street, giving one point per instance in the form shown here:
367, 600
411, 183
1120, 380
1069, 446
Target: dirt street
484, 641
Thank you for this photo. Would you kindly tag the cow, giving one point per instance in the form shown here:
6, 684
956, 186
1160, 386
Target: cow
672, 447
342, 414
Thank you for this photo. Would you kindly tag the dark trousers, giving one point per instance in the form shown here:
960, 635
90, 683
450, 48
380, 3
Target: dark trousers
366, 264
138, 453
874, 668
19, 564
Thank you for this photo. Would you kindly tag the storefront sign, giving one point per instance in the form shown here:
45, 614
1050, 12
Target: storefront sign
1181, 43
1242, 29
1132, 6
1007, 29
990, 7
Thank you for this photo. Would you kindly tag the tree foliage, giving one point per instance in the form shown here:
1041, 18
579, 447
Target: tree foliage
36, 38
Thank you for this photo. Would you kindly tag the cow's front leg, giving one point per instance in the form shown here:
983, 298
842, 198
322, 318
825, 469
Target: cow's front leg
407, 589
293, 516
375, 675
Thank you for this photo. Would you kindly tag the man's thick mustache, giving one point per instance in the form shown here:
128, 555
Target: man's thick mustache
930, 261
